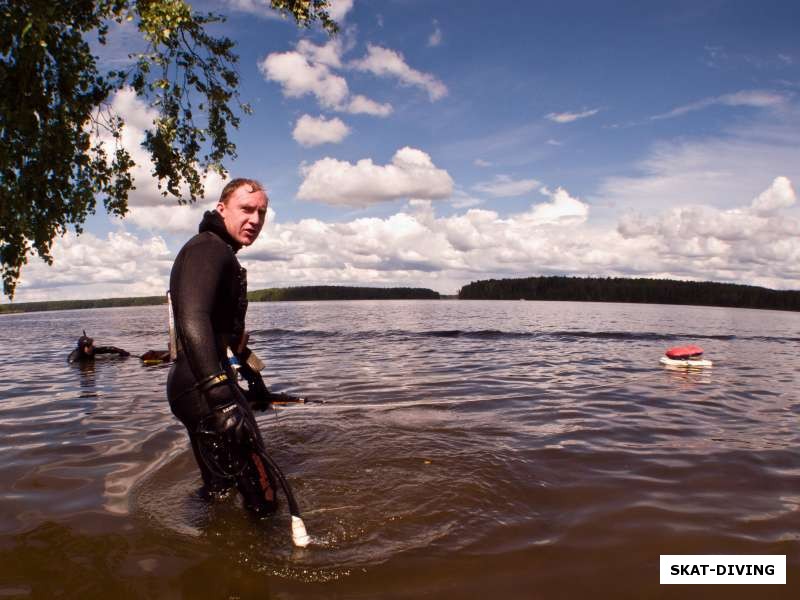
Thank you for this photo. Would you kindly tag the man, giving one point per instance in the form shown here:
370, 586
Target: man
86, 350
208, 290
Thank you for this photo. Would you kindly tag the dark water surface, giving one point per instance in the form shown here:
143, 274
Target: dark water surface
466, 450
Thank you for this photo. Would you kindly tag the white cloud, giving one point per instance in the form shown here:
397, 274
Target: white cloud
410, 174
569, 117
479, 162
751, 98
435, 37
329, 54
308, 70
757, 244
384, 62
415, 247
338, 9
562, 209
87, 266
254, 7
171, 219
778, 196
362, 105
298, 77
503, 186
310, 131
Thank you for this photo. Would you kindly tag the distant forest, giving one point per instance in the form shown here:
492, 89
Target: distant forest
20, 307
338, 292
312, 292
655, 291
586, 289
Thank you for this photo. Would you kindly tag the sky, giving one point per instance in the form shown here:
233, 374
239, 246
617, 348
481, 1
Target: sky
437, 142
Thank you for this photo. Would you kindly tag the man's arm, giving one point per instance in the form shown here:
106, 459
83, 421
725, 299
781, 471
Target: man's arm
193, 288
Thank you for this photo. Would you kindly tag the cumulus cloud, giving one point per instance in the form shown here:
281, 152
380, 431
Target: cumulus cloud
756, 242
503, 186
313, 131
329, 54
779, 195
362, 105
759, 242
410, 174
339, 8
569, 117
384, 62
309, 70
169, 219
751, 98
562, 209
417, 247
479, 162
86, 266
298, 77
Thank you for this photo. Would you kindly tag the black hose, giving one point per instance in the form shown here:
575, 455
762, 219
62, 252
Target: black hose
294, 510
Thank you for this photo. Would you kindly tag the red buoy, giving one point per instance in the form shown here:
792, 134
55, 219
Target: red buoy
684, 352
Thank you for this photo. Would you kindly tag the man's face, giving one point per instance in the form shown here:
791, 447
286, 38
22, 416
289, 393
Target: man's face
244, 214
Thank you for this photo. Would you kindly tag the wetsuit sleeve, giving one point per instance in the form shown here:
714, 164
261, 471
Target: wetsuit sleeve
111, 350
257, 393
194, 289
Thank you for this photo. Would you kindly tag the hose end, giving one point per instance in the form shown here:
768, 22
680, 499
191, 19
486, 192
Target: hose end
299, 534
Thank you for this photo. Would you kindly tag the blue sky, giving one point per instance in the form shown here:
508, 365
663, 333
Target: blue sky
436, 142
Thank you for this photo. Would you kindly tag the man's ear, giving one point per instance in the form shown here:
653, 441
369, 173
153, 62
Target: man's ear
220, 208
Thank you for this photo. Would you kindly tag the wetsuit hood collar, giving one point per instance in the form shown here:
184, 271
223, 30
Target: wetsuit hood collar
213, 222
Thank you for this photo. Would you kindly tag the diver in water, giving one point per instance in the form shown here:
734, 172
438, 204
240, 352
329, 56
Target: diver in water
86, 350
208, 290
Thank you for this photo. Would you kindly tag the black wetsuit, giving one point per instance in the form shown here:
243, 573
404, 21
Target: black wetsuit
78, 355
208, 288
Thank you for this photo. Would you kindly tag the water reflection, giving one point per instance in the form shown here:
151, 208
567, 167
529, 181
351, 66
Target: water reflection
87, 378
461, 443
688, 376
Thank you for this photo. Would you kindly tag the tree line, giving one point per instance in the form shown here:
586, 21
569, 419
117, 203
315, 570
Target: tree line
640, 290
338, 292
310, 292
20, 307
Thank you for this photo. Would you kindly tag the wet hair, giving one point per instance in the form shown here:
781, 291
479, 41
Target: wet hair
235, 184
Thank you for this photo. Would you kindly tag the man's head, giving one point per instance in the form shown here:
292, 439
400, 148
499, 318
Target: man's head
86, 344
243, 207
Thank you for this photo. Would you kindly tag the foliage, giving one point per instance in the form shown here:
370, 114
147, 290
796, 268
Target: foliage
55, 110
656, 291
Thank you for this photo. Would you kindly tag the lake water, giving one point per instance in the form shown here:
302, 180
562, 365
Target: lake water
466, 449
